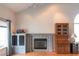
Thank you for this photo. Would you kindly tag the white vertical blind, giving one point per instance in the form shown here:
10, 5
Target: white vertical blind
3, 34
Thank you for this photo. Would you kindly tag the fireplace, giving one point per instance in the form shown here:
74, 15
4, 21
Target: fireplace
40, 43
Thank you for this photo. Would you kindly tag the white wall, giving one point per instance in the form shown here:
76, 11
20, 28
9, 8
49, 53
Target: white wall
42, 19
8, 14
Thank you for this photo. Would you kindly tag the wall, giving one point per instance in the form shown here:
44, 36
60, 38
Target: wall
42, 18
3, 52
6, 13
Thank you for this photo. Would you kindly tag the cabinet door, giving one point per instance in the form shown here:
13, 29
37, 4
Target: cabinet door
65, 29
22, 45
14, 40
58, 39
58, 29
18, 49
21, 40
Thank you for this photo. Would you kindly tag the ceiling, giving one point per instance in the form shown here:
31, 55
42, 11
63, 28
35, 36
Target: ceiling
20, 7
17, 7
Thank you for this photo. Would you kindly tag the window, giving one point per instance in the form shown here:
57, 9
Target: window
76, 28
3, 34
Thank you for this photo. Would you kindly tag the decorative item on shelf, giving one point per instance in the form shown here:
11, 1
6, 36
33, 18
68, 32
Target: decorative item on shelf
73, 37
73, 44
20, 31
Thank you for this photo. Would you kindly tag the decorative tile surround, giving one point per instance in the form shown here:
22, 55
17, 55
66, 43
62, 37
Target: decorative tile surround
48, 36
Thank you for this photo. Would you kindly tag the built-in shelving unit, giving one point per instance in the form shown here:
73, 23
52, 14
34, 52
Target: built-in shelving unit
19, 43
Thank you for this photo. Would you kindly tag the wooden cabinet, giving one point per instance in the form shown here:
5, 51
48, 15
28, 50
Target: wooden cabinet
61, 38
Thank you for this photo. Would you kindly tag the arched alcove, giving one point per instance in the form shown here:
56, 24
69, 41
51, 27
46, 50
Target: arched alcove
76, 28
76, 20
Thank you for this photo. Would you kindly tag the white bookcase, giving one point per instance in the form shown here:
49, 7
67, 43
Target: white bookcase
19, 43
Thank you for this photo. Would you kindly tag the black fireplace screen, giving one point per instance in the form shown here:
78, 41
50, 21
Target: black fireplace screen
40, 43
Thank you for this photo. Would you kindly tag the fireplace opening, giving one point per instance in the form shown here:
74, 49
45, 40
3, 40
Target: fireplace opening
40, 43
